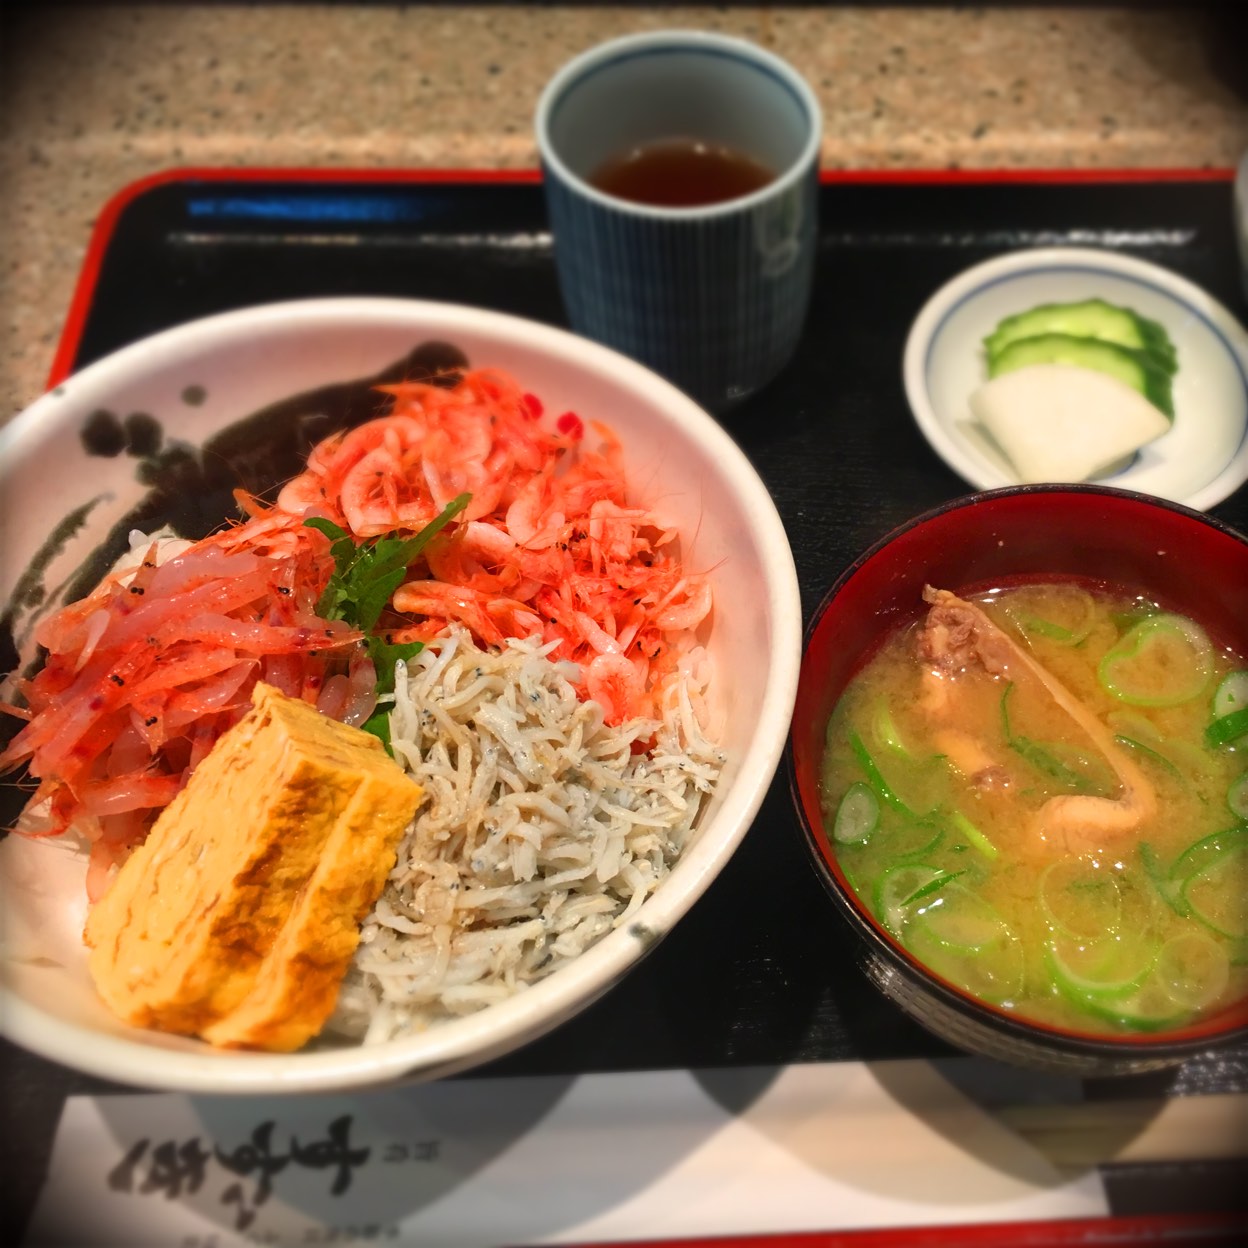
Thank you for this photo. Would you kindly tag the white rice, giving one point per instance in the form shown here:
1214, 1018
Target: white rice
539, 831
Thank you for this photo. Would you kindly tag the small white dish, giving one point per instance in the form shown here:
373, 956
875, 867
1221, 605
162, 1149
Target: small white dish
1199, 462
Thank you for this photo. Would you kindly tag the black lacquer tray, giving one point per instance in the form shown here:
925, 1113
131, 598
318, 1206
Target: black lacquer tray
761, 971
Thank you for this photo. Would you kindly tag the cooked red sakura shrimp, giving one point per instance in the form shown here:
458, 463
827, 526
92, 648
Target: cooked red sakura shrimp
685, 606
399, 471
539, 514
616, 684
550, 545
440, 603
469, 551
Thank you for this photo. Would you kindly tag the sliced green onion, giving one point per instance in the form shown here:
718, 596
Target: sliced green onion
1071, 768
1080, 899
1209, 881
1151, 755
1137, 732
957, 919
1128, 619
902, 887
884, 729
1054, 632
1103, 969
1194, 969
1217, 894
1199, 855
857, 816
852, 877
913, 838
1151, 1008
1231, 694
1007, 728
884, 791
1170, 891
1237, 797
1071, 634
1180, 650
1227, 729
1090, 771
1137, 726
973, 834
1184, 754
962, 938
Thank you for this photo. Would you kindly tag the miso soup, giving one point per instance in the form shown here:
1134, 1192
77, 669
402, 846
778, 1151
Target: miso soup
1042, 794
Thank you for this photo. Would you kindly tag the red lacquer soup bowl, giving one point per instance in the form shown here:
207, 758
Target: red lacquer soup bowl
1185, 561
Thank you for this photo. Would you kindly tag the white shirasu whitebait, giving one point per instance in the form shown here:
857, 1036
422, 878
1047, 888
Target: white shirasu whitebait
539, 831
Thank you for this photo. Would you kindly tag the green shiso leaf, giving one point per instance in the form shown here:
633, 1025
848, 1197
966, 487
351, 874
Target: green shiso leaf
364, 579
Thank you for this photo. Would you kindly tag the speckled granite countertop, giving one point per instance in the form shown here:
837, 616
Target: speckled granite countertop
93, 97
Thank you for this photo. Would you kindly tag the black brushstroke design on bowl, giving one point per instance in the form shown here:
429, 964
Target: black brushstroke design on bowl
105, 434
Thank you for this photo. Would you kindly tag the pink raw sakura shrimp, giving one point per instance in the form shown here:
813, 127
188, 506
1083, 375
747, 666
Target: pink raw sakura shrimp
145, 673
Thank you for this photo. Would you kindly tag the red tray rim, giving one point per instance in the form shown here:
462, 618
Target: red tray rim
1108, 1230
106, 223
1192, 1230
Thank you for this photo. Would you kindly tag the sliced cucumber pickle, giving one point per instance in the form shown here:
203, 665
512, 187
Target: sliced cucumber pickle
1089, 318
1132, 367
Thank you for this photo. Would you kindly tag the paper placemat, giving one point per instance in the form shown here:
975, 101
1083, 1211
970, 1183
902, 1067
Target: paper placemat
480, 1163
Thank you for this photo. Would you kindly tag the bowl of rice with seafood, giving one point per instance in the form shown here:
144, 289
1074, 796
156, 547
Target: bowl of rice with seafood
385, 678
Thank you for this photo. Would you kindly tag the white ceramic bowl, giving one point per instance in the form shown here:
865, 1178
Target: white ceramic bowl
1204, 456
199, 378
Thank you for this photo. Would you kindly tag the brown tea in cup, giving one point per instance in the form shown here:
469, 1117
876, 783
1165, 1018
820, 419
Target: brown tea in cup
680, 173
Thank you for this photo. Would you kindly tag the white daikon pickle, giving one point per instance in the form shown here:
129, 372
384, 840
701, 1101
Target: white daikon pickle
1057, 422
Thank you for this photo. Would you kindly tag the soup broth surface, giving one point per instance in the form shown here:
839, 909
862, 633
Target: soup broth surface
993, 834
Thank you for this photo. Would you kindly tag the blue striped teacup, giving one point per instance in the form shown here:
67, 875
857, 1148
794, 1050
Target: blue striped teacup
712, 296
